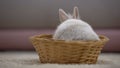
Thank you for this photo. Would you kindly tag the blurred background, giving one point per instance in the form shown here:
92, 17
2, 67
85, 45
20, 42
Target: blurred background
21, 19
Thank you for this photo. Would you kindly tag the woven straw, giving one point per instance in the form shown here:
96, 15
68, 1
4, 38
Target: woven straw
60, 51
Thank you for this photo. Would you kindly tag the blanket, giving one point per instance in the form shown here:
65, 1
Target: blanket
30, 59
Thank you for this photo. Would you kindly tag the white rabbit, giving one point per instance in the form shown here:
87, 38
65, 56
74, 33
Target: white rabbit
73, 28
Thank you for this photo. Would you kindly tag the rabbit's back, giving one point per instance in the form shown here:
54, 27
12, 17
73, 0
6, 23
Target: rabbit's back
74, 30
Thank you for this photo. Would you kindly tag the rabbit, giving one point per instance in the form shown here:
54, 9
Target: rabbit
73, 28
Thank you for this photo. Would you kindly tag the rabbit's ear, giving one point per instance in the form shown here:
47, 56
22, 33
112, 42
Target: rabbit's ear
76, 13
62, 15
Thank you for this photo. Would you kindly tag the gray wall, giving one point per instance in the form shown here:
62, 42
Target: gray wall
44, 13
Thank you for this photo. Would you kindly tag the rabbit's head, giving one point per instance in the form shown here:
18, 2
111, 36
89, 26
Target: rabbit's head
71, 19
64, 16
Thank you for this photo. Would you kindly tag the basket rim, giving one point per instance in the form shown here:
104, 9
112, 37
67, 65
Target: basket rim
48, 38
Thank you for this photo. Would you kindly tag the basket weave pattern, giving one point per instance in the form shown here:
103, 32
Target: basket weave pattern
59, 51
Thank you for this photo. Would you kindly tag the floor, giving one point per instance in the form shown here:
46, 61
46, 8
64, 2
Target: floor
29, 59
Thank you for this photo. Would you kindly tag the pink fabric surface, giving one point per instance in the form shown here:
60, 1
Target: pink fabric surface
114, 39
19, 39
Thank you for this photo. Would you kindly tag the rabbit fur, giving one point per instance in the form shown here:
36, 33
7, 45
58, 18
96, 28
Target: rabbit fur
73, 28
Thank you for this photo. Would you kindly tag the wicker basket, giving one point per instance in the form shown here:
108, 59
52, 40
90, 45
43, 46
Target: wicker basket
60, 51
